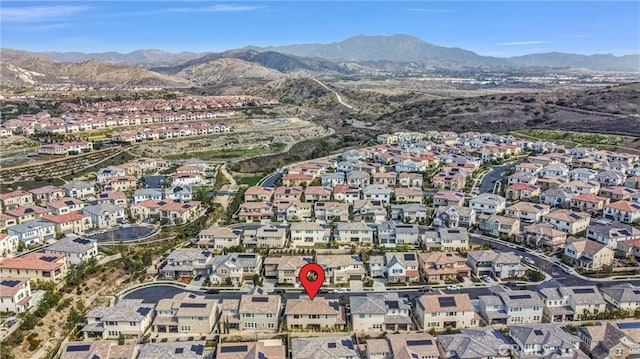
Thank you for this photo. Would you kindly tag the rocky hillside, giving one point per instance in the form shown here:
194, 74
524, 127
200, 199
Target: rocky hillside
226, 70
19, 68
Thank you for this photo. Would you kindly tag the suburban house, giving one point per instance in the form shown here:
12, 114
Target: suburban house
403, 346
69, 223
259, 312
588, 202
587, 254
27, 213
174, 350
15, 199
527, 211
522, 191
218, 238
267, 237
35, 266
408, 195
376, 192
76, 249
287, 193
358, 233
46, 194
129, 318
37, 231
607, 340
79, 190
108, 172
499, 265
255, 211
610, 233
341, 268
623, 211
321, 313
409, 212
333, 179
488, 203
448, 198
268, 348
512, 307
474, 343
105, 215
331, 211
369, 211
442, 267
15, 295
556, 198
568, 221
622, 297
546, 340
187, 262
145, 194
401, 267
454, 216
309, 234
392, 234
285, 268
441, 311
186, 313
317, 193
340, 347
451, 239
496, 225
235, 267
258, 194
8, 244
569, 303
543, 235
180, 213
380, 312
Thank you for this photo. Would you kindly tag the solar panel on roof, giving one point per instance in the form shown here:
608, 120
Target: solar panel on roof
334, 305
198, 349
95, 356
520, 296
415, 343
81, 240
446, 302
392, 304
636, 292
454, 231
259, 299
331, 345
538, 332
49, 259
78, 348
68, 203
143, 311
409, 257
10, 283
629, 325
28, 210
583, 291
245, 256
103, 195
234, 349
193, 305
261, 355
179, 351
347, 343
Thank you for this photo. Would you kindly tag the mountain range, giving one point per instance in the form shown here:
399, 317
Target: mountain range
356, 55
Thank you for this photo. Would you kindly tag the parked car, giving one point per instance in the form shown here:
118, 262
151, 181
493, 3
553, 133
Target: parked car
213, 291
340, 290
198, 277
529, 260
426, 288
486, 278
453, 287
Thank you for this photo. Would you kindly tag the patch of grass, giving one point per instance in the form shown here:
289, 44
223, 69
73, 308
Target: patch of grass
249, 181
229, 153
581, 138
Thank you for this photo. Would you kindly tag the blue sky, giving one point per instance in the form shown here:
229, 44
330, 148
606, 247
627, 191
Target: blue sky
497, 28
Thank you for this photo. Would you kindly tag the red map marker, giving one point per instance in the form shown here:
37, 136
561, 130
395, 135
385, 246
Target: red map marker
311, 286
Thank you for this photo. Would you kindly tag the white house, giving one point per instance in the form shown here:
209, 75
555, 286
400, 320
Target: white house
15, 295
75, 249
105, 215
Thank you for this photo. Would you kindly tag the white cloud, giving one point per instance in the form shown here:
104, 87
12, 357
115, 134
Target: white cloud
522, 43
40, 13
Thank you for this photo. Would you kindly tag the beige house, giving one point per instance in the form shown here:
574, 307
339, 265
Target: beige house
129, 318
259, 312
527, 212
16, 199
69, 223
218, 238
408, 195
358, 233
268, 348
186, 313
588, 254
543, 235
568, 221
258, 194
309, 234
285, 269
440, 267
440, 311
318, 314
341, 268
181, 213
35, 266
267, 237
255, 211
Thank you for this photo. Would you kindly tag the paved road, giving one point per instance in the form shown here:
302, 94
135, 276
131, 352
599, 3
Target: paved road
555, 272
271, 180
490, 179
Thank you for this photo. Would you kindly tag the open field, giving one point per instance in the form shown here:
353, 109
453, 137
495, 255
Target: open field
230, 153
572, 138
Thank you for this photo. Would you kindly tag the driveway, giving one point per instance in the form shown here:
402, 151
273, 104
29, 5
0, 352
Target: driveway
379, 285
